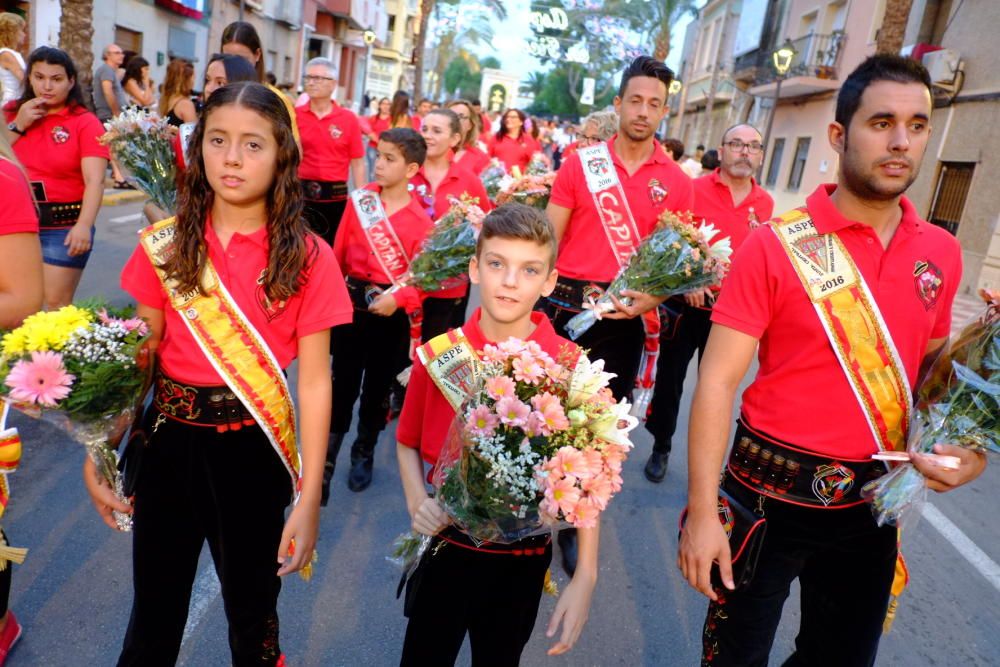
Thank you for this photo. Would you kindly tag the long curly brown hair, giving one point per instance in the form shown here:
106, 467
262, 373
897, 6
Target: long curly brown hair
290, 248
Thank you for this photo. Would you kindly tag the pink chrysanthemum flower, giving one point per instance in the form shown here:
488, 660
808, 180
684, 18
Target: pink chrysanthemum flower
585, 513
535, 424
482, 421
511, 347
599, 489
552, 412
42, 380
493, 354
568, 461
500, 387
528, 369
564, 493
512, 412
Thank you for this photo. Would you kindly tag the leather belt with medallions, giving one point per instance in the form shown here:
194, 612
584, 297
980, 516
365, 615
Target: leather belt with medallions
324, 190
789, 474
570, 294
213, 407
535, 545
58, 216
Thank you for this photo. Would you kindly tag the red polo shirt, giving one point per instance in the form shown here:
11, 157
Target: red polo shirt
713, 203
515, 151
328, 143
800, 394
17, 208
357, 259
52, 148
321, 303
659, 184
473, 159
457, 182
377, 125
427, 414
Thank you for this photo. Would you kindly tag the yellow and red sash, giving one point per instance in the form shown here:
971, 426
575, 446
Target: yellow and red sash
859, 336
452, 364
235, 349
610, 201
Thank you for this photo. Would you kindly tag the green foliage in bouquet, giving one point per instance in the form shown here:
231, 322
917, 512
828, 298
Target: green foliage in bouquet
444, 256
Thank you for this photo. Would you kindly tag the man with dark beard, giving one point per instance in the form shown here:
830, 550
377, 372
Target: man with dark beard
634, 180
847, 297
730, 199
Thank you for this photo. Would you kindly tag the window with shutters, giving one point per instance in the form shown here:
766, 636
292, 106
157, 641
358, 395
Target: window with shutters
777, 149
954, 180
799, 163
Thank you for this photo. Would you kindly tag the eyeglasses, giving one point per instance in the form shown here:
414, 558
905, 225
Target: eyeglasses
737, 146
462, 116
310, 78
590, 140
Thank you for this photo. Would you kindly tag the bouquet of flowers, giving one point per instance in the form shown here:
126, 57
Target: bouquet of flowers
675, 258
77, 367
535, 444
443, 260
533, 190
142, 144
537, 166
958, 403
494, 178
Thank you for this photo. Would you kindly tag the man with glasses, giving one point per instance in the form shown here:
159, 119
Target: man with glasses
331, 143
730, 199
109, 97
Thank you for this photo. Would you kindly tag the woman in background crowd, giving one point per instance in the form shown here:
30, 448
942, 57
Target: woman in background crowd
136, 83
513, 144
175, 102
12, 37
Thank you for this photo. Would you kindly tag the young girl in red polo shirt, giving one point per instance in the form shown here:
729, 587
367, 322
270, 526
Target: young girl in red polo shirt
490, 592
469, 154
440, 179
234, 289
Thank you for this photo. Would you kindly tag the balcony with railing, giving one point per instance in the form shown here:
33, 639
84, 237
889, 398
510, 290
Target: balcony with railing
814, 67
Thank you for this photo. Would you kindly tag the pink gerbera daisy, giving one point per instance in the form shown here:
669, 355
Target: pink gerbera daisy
552, 412
42, 380
500, 387
528, 369
482, 421
512, 411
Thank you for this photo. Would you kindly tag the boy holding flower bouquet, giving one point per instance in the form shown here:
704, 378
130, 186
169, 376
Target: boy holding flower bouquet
513, 267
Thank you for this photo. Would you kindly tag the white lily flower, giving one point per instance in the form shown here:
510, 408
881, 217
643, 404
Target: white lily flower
588, 377
616, 425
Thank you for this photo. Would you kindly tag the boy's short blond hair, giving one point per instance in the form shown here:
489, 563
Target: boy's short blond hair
518, 221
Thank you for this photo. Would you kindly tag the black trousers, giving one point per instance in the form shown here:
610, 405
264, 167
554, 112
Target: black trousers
492, 597
845, 565
230, 489
618, 342
368, 354
440, 315
324, 217
689, 336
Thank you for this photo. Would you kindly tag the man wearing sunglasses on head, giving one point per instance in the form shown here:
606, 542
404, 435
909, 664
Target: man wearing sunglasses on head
730, 199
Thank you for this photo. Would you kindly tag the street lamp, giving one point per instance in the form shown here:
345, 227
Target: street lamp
675, 87
782, 61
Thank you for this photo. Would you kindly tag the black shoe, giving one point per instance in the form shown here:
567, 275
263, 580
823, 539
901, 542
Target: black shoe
656, 466
362, 459
332, 449
568, 548
396, 397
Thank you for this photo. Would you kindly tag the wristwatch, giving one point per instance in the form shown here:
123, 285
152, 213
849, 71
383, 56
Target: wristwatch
12, 126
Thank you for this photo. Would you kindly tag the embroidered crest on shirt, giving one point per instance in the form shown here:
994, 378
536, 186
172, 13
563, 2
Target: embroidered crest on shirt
270, 309
752, 219
657, 193
60, 134
831, 482
335, 131
927, 279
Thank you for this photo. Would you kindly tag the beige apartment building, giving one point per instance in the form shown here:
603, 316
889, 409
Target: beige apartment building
956, 187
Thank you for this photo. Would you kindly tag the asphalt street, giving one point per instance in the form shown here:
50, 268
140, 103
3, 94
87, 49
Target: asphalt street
73, 593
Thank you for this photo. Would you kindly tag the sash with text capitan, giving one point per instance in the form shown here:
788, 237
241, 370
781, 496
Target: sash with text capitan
236, 350
858, 334
388, 250
610, 201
